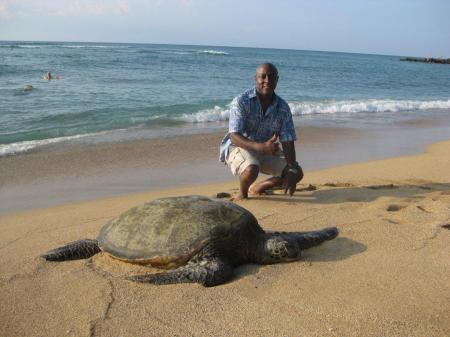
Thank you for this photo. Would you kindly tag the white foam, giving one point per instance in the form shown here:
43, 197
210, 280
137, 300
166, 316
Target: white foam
81, 46
27, 46
220, 114
20, 147
176, 52
216, 114
214, 52
371, 105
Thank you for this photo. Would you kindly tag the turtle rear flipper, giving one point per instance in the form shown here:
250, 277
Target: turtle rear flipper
209, 273
80, 249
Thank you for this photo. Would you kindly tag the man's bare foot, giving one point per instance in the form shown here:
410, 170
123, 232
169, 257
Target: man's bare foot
239, 196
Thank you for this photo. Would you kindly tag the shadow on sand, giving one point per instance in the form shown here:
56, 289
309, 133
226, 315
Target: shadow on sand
334, 194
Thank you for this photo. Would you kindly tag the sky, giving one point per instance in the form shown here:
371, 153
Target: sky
390, 27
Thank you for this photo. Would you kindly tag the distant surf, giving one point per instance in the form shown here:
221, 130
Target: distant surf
214, 52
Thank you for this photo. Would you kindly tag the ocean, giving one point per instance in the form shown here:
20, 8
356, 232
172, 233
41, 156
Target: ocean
113, 92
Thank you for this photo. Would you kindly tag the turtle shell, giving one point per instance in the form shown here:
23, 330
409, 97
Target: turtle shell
168, 232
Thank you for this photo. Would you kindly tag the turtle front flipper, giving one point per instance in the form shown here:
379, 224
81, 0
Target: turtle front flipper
81, 249
209, 273
307, 240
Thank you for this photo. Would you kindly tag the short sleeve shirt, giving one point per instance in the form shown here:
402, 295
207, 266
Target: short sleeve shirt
248, 119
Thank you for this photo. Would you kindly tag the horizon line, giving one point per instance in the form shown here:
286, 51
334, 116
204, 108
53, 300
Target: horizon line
214, 45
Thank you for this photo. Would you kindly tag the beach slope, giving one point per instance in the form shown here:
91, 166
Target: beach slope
387, 274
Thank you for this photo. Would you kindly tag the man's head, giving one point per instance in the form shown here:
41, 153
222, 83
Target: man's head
266, 79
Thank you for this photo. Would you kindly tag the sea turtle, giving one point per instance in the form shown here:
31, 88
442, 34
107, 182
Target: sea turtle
200, 239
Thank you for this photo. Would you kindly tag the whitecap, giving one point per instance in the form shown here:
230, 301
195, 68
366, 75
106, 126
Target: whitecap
27, 46
213, 52
370, 105
20, 147
81, 46
216, 114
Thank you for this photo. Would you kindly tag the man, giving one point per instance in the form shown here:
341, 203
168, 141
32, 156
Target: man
258, 118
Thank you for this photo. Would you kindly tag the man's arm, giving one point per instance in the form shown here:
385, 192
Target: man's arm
293, 172
289, 153
269, 147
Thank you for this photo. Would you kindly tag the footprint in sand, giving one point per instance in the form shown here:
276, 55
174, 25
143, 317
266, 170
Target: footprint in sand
223, 195
394, 208
338, 185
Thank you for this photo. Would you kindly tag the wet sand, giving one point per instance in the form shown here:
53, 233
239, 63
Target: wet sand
385, 275
71, 173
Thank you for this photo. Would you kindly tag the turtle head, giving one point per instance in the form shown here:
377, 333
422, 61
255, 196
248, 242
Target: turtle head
287, 246
279, 247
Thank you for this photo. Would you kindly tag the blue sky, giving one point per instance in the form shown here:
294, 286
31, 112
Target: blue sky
396, 27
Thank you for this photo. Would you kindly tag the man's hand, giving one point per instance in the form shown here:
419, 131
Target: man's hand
271, 146
292, 176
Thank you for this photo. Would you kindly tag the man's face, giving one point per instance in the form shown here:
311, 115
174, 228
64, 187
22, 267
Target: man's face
266, 80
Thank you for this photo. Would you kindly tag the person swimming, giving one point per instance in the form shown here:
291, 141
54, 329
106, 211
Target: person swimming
47, 76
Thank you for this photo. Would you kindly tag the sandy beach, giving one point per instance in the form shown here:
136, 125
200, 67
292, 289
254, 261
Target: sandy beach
56, 175
385, 275
106, 106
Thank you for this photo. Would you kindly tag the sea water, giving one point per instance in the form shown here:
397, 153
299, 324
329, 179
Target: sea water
111, 92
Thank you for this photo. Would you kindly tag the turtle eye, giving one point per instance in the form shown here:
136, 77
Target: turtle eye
282, 249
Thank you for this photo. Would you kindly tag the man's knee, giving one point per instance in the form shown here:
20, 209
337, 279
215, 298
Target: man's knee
251, 171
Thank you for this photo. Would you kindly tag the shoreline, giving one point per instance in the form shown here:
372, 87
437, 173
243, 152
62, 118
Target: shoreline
71, 173
386, 273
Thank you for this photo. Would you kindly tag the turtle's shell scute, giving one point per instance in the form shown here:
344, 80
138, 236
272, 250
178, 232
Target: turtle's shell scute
168, 232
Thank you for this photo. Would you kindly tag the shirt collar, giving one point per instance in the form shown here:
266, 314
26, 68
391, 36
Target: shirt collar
252, 94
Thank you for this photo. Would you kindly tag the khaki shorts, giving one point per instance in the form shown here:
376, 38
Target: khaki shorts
239, 159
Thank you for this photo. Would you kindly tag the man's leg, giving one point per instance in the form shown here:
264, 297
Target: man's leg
244, 164
273, 165
247, 177
261, 186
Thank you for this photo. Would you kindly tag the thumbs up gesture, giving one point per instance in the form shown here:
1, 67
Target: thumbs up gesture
271, 145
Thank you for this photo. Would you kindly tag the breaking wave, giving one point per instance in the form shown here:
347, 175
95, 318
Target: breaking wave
371, 105
19, 147
221, 114
218, 114
213, 52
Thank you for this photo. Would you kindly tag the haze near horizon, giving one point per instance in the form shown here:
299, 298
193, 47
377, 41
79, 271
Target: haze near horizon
413, 27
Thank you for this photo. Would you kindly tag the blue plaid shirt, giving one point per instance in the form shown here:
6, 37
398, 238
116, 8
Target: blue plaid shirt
248, 119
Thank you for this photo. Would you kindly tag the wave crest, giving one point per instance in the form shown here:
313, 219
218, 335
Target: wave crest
371, 105
213, 52
219, 114
216, 114
20, 147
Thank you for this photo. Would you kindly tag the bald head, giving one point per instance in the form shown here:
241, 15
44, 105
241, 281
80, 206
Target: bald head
266, 80
269, 66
